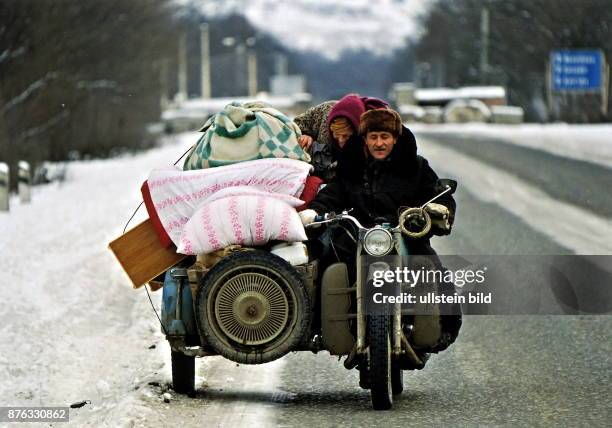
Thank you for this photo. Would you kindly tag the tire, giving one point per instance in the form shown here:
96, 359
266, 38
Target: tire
183, 373
397, 380
381, 371
230, 331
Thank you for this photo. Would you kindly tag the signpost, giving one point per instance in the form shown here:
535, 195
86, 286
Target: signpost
578, 71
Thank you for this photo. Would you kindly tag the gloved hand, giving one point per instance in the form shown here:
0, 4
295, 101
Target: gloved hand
439, 215
307, 216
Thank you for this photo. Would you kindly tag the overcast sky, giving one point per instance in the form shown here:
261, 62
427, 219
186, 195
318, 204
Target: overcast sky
328, 26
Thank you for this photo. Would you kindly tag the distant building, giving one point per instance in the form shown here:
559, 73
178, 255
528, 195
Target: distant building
403, 93
284, 85
459, 105
406, 94
489, 95
190, 115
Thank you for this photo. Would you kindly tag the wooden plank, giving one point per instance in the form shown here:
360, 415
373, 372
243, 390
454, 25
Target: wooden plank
141, 255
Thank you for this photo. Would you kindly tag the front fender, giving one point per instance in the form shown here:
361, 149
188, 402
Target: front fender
186, 325
335, 310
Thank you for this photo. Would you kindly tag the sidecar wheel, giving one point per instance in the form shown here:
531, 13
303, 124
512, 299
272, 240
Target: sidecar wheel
252, 307
397, 380
183, 373
381, 389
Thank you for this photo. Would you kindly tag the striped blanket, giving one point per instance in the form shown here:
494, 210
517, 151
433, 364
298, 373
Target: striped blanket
177, 195
242, 132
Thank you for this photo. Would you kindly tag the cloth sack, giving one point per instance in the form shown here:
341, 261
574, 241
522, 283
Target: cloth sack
240, 219
253, 191
242, 132
176, 194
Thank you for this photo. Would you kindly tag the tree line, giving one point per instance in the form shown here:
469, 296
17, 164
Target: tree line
522, 33
84, 78
80, 78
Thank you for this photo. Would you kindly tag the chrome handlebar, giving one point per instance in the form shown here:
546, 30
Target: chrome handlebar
406, 214
334, 218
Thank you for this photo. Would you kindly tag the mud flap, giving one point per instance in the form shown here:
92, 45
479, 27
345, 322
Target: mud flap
427, 332
174, 327
335, 308
435, 326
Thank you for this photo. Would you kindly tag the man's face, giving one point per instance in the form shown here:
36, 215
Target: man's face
380, 144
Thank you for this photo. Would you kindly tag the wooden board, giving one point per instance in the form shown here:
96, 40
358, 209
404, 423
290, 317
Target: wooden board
141, 255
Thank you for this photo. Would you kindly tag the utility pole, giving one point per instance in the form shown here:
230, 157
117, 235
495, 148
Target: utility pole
549, 92
163, 84
240, 70
605, 93
205, 54
252, 72
182, 67
484, 45
252, 66
280, 64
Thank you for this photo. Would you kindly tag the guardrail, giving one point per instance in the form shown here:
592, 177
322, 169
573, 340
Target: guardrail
4, 187
24, 182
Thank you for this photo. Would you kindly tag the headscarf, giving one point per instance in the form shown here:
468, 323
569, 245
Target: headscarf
341, 124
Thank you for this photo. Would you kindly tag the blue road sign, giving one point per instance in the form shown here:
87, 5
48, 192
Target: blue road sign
576, 70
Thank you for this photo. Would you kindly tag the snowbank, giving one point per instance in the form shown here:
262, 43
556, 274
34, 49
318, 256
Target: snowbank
72, 327
590, 143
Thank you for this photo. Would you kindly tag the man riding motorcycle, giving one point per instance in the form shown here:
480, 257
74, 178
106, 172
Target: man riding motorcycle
379, 179
330, 128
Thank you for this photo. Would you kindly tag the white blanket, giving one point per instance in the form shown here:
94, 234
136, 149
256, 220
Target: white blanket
243, 219
178, 194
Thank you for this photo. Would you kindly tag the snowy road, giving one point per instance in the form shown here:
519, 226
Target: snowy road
72, 328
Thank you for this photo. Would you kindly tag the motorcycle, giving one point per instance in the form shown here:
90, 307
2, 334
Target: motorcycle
255, 306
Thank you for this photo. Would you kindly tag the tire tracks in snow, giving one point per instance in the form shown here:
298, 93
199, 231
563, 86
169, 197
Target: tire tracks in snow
574, 181
571, 227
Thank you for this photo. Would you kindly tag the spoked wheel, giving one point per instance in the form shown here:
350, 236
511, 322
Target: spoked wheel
183, 373
381, 389
397, 380
252, 307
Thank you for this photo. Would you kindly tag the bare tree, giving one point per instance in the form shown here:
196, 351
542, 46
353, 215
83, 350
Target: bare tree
79, 75
523, 33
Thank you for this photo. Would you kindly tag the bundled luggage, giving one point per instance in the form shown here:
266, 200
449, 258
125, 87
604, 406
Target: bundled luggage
243, 132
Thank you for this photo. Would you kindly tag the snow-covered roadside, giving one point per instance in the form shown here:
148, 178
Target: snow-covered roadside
556, 219
591, 143
72, 328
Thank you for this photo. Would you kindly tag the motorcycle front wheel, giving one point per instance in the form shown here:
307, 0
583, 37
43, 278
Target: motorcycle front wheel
381, 389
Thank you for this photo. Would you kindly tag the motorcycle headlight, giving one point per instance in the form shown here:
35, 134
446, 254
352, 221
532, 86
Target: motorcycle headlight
378, 242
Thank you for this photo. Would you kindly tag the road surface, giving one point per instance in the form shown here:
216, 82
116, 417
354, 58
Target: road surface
73, 329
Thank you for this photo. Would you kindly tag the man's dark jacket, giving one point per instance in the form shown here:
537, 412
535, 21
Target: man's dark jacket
378, 189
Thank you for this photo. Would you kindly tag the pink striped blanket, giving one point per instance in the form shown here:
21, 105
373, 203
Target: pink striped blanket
233, 197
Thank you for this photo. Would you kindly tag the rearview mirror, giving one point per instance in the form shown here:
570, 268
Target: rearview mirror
443, 183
